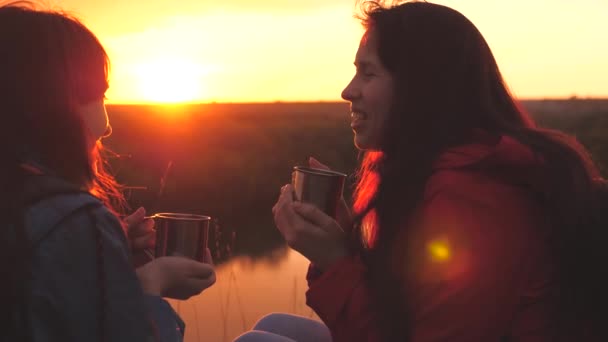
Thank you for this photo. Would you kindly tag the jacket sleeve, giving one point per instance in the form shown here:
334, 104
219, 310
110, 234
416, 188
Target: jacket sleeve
463, 273
84, 286
341, 298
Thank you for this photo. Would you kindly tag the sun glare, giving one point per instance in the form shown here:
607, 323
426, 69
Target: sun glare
439, 250
170, 80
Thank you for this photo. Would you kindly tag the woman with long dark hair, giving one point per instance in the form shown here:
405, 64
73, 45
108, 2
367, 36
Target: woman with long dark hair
470, 222
64, 255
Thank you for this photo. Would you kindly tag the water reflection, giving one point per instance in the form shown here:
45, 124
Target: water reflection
246, 290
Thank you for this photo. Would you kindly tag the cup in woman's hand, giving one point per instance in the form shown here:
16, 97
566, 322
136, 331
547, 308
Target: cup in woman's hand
180, 234
322, 188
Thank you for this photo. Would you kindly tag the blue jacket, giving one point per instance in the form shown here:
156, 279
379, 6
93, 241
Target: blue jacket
83, 285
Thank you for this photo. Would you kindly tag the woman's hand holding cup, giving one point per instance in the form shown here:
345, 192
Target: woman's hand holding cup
309, 230
176, 277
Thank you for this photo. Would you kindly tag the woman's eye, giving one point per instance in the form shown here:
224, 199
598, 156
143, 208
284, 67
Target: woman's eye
365, 74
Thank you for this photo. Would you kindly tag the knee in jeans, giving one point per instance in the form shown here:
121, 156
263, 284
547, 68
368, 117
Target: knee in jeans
271, 321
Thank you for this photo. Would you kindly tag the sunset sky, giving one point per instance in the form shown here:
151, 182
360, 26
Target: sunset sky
302, 50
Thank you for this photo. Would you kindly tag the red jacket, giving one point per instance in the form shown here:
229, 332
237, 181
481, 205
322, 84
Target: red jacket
479, 263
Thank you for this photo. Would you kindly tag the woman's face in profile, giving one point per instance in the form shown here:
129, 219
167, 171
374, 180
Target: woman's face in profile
95, 119
370, 93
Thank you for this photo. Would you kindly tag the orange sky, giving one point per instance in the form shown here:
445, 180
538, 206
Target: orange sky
302, 50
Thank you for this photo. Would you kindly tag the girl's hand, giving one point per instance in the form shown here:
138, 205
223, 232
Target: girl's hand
140, 230
176, 277
309, 230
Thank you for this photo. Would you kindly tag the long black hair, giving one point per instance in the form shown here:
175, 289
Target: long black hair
447, 84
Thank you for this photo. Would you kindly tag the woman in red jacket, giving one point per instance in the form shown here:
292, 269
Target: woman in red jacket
470, 223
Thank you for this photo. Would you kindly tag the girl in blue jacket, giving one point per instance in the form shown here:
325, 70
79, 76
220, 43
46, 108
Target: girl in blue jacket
65, 257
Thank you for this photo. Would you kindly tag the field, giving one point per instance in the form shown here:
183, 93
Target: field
230, 160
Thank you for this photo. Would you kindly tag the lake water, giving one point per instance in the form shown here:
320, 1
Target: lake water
245, 291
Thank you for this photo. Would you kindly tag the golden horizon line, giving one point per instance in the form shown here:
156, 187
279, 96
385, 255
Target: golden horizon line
194, 103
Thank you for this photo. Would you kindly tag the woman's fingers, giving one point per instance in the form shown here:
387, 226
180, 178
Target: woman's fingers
280, 200
144, 227
145, 241
283, 213
312, 162
199, 270
316, 216
140, 229
136, 217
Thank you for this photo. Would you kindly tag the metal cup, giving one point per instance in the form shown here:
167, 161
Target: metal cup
181, 235
322, 188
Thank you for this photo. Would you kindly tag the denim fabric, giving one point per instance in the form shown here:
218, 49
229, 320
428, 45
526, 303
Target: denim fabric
80, 255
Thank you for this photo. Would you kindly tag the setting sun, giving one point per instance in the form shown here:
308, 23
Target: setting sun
269, 50
170, 80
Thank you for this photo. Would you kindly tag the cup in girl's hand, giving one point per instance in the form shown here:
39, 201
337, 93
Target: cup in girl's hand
180, 234
322, 188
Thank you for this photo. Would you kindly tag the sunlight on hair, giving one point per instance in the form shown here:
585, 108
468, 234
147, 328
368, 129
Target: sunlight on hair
439, 250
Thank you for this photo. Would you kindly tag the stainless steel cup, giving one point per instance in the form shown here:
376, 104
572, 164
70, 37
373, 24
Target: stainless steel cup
323, 188
181, 235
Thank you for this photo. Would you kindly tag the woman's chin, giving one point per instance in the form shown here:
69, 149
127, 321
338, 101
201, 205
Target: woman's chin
364, 143
361, 143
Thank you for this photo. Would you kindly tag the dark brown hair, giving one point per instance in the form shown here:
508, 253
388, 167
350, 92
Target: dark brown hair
447, 84
49, 65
